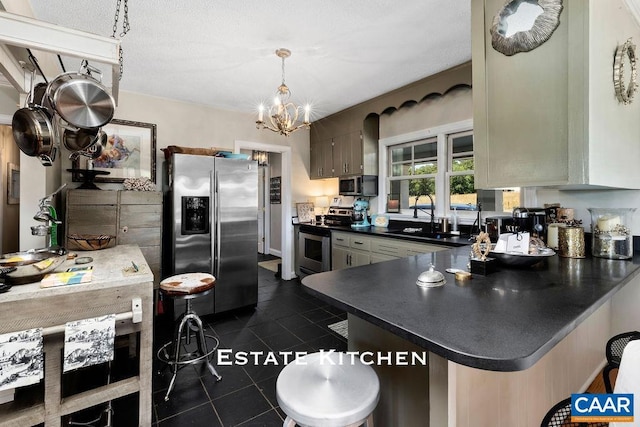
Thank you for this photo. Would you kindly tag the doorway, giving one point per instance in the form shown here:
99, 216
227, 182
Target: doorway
10, 187
286, 228
265, 201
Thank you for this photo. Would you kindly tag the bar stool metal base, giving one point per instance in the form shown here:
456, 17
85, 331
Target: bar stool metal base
171, 354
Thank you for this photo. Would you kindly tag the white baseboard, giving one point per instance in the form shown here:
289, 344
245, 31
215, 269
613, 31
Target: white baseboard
275, 252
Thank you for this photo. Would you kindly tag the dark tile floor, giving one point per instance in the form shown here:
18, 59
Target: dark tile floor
286, 319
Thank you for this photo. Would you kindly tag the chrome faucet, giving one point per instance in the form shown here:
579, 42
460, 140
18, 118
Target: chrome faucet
431, 213
47, 213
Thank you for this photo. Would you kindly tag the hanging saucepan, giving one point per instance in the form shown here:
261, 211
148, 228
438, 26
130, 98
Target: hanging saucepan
77, 141
32, 131
80, 99
93, 149
41, 99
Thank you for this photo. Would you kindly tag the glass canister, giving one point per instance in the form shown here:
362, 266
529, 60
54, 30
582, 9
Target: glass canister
611, 232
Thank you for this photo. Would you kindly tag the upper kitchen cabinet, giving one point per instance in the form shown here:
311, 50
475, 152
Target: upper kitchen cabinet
344, 144
550, 116
347, 154
353, 133
321, 152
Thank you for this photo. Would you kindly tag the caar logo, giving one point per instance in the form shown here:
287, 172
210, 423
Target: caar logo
601, 407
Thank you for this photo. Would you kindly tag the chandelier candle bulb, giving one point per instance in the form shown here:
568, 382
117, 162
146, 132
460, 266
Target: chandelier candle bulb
307, 108
260, 113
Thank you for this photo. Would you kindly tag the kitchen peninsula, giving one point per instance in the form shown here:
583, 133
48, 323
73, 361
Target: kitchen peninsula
503, 348
115, 288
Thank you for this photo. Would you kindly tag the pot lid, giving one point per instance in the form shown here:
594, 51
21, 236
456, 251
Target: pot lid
84, 103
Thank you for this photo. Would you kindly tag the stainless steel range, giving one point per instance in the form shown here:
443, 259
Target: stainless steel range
340, 211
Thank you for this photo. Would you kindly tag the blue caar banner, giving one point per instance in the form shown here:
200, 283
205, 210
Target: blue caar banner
587, 407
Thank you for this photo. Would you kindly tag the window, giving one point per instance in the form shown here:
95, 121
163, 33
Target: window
462, 193
414, 167
434, 169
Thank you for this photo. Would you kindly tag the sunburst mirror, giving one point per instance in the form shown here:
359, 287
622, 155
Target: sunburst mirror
523, 25
625, 59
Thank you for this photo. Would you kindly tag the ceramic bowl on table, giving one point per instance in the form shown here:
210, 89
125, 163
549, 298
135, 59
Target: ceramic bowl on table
240, 156
90, 242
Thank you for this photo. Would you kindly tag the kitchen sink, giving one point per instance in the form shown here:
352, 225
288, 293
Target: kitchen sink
418, 232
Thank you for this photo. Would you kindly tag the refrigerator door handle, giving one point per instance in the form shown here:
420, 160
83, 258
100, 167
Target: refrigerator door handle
217, 225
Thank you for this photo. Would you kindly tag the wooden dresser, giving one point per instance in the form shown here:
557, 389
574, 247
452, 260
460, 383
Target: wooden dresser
134, 217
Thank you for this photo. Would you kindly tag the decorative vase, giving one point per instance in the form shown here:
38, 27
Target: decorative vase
611, 233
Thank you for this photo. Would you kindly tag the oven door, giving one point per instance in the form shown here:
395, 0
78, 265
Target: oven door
314, 253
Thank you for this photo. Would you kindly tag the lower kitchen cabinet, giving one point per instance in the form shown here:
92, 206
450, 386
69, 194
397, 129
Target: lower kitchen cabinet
352, 250
346, 258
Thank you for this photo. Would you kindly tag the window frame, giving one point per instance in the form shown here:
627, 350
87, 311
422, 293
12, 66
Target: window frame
444, 160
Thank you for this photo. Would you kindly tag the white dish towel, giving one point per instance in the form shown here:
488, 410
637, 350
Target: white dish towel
628, 380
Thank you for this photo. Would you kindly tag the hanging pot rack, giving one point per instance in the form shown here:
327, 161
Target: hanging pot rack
21, 31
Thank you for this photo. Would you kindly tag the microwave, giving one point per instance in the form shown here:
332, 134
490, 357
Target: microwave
359, 185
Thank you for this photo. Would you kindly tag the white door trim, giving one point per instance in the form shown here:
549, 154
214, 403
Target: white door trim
285, 187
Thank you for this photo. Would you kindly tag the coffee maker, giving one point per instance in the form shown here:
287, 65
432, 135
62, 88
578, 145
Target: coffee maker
359, 216
532, 220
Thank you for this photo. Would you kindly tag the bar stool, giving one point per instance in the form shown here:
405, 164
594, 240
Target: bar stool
188, 286
326, 389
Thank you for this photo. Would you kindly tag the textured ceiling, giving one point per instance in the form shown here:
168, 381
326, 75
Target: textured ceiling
221, 53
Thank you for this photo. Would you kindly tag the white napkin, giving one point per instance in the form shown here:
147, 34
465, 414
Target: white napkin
513, 243
89, 342
628, 380
22, 355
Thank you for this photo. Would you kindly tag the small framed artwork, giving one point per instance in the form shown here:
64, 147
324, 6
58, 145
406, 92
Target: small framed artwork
305, 212
274, 190
129, 153
13, 184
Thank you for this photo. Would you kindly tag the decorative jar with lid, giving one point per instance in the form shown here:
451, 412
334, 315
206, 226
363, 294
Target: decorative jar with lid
611, 232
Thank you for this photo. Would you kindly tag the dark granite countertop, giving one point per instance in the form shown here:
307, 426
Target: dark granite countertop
389, 232
505, 321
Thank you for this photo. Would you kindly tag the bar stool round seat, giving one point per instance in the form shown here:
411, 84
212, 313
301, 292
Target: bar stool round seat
328, 389
175, 353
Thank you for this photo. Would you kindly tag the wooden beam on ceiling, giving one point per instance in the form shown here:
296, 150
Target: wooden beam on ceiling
12, 70
21, 31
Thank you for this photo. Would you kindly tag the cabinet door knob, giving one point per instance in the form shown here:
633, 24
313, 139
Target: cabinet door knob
125, 229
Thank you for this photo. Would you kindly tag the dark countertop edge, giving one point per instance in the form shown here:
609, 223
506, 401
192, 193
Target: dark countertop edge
525, 363
498, 365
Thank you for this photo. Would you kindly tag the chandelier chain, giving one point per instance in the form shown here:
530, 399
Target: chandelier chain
283, 70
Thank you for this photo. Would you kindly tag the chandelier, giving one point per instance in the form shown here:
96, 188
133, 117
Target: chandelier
283, 115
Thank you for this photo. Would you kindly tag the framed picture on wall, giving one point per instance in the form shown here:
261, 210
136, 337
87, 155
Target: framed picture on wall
274, 190
129, 152
13, 184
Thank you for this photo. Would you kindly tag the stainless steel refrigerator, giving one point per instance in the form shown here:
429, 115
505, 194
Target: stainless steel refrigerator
214, 205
